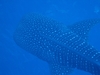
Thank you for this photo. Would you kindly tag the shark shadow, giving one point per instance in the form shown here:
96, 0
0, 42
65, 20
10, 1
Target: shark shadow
63, 47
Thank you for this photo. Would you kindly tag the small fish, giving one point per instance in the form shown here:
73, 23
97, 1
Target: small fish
63, 47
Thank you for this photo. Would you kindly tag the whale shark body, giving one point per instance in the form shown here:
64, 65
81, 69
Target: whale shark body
62, 47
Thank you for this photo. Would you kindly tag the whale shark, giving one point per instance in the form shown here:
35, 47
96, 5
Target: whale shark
63, 47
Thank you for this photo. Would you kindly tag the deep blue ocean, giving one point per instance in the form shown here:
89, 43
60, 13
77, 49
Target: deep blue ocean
16, 61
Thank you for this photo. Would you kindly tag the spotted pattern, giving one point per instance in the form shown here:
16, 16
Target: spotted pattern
64, 48
82, 28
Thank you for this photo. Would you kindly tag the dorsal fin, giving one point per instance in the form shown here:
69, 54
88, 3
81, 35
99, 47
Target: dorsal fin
83, 27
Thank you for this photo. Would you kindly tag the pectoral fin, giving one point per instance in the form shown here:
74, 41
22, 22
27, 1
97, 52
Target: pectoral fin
83, 27
60, 70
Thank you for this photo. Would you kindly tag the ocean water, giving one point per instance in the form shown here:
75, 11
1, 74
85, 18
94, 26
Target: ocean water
13, 59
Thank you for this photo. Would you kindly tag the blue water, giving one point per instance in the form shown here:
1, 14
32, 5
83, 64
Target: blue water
16, 61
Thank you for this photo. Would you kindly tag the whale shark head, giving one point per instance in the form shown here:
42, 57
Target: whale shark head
64, 48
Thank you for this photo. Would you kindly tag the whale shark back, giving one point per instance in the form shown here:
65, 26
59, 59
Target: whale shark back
64, 48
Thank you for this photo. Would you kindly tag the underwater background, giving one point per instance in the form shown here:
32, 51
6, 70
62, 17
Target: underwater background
16, 61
